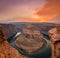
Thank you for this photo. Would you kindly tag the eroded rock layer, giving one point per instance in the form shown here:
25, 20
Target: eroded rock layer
31, 39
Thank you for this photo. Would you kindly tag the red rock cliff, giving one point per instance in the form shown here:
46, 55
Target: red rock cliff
55, 41
6, 50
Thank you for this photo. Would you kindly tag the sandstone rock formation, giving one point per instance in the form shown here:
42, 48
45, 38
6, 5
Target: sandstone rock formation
6, 50
1, 35
55, 41
31, 30
12, 28
31, 39
8, 30
43, 27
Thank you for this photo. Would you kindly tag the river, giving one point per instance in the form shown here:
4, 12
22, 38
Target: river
44, 53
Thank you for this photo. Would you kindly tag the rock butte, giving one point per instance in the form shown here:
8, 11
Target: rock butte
31, 39
55, 41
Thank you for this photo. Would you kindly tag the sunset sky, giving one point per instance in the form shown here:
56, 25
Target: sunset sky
30, 11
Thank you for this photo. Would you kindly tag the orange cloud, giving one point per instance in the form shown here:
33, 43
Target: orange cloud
21, 19
23, 12
50, 10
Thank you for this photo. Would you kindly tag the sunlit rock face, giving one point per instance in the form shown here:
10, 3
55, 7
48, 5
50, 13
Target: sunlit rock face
55, 41
31, 30
31, 39
6, 51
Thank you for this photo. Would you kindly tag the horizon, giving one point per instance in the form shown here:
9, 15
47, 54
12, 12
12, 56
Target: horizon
29, 22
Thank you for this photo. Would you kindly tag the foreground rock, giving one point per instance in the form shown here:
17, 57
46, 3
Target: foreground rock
55, 41
6, 51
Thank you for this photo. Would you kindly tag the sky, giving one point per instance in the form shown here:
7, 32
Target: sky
30, 11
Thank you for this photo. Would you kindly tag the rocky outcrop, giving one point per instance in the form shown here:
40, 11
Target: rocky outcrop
8, 30
18, 26
6, 51
31, 39
55, 41
1, 35
31, 31
43, 27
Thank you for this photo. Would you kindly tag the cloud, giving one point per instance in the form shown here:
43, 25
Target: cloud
47, 10
10, 9
5, 4
50, 10
20, 19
